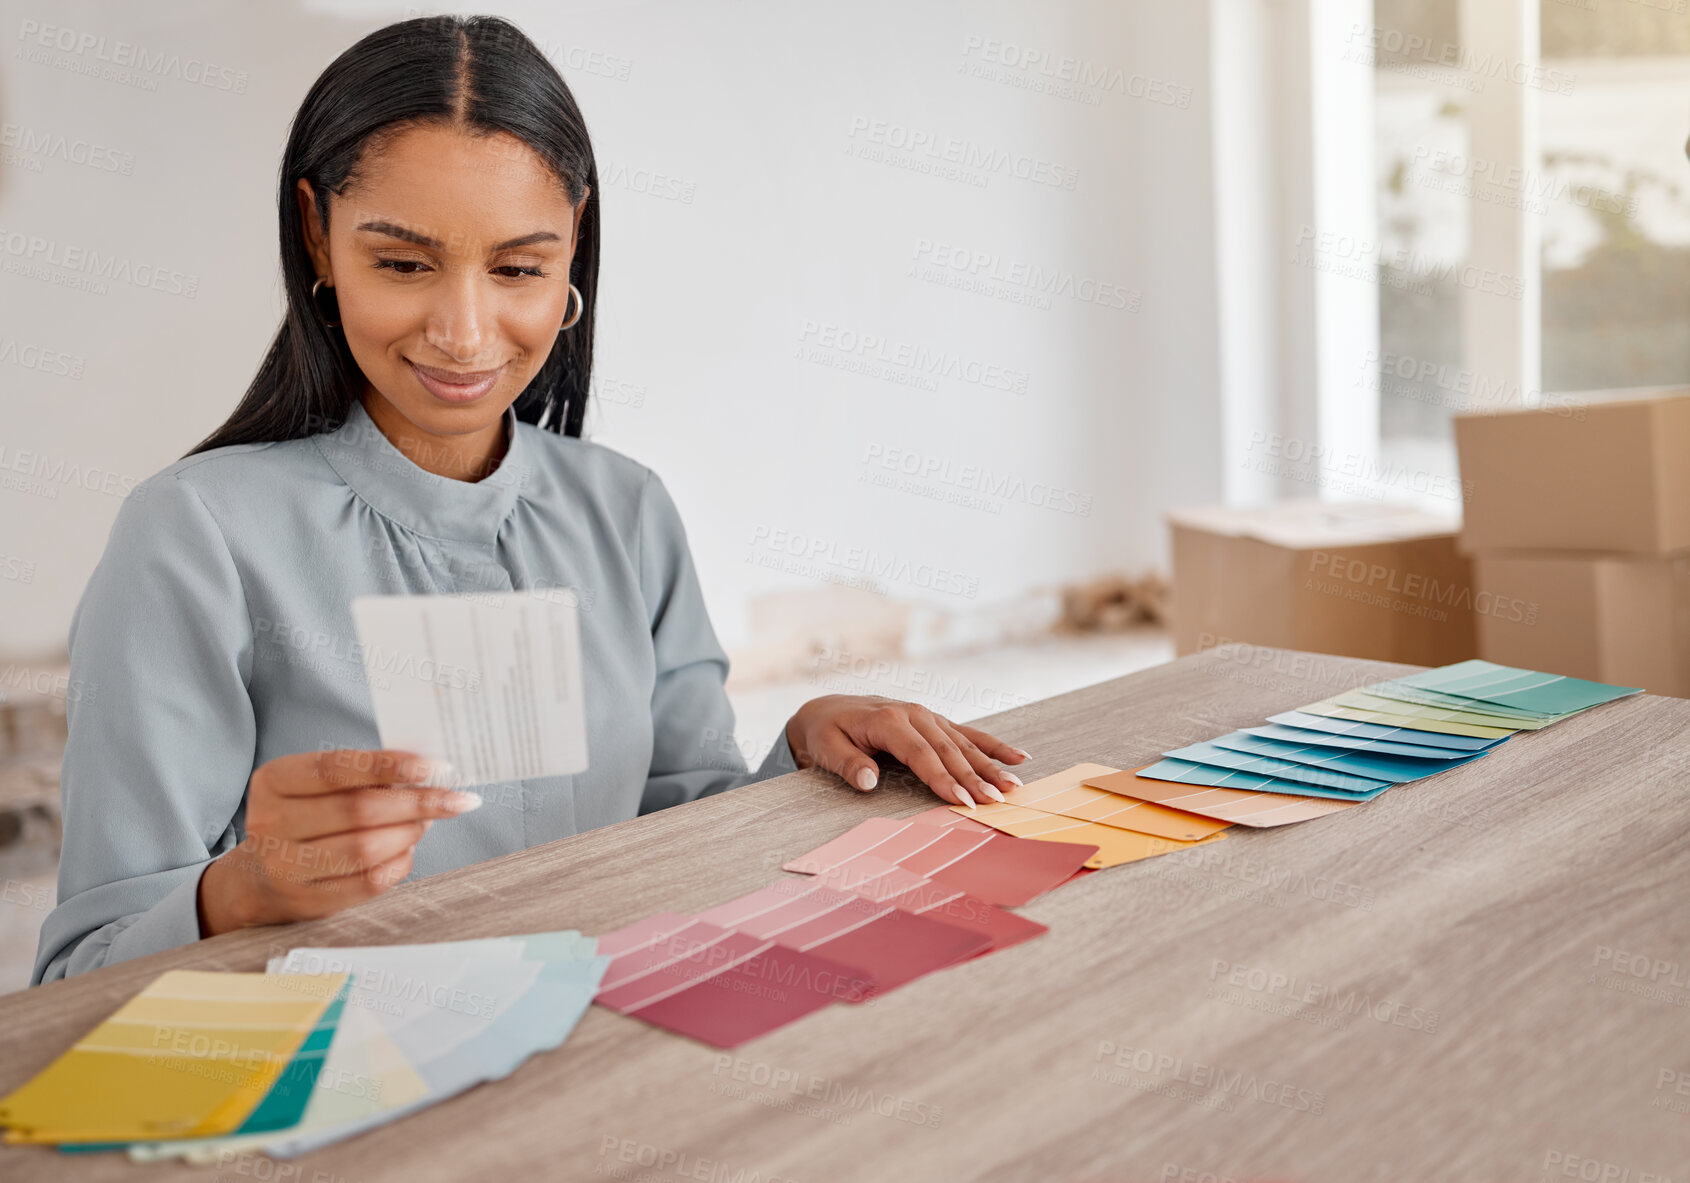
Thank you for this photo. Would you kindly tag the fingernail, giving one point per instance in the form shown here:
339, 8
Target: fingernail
991, 792
964, 798
1024, 753
465, 802
1011, 778
866, 779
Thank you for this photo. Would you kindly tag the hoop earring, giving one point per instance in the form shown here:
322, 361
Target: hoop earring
326, 321
580, 307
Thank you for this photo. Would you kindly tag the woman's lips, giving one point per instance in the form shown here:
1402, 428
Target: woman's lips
455, 387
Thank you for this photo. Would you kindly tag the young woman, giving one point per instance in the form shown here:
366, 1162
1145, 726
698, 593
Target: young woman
414, 429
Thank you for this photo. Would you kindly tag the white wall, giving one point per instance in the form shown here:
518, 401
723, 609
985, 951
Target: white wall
756, 113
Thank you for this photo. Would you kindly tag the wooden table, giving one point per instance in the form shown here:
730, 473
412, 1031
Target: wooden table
1483, 976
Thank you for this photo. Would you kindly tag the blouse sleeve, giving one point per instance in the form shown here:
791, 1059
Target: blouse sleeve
162, 733
694, 753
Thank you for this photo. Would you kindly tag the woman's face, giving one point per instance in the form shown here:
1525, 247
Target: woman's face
450, 262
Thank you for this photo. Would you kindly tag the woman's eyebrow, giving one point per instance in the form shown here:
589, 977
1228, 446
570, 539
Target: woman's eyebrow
393, 230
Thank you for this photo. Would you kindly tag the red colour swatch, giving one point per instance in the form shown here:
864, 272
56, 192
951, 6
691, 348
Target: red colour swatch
995, 867
889, 883
886, 943
716, 985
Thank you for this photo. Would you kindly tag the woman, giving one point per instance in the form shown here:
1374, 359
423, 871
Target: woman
414, 429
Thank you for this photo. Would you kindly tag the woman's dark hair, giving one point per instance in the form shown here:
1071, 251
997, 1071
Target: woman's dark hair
480, 74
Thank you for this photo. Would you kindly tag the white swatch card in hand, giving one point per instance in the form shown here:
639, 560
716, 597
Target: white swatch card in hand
489, 682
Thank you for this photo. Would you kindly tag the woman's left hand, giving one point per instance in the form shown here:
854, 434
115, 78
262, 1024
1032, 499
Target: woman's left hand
841, 733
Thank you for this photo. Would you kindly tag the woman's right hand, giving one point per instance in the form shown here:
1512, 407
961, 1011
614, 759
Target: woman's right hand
324, 830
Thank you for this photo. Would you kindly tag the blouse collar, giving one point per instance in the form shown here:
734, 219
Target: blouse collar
419, 500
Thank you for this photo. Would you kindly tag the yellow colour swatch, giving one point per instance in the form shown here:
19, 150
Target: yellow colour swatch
1066, 794
189, 1057
1114, 845
1403, 714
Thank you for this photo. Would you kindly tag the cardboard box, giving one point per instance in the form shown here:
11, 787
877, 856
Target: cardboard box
1601, 472
1610, 618
1361, 580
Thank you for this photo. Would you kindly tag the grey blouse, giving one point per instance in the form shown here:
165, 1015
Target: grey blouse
216, 634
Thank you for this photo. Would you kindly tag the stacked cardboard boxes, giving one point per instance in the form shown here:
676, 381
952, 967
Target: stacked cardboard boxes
1577, 519
1363, 579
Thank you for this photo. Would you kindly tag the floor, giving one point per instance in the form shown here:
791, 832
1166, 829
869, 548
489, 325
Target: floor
960, 687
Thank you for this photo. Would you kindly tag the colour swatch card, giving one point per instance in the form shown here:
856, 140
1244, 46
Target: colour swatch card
1402, 692
192, 1055
1417, 714
422, 1023
1304, 721
1373, 765
1067, 794
999, 869
1357, 744
1245, 807
889, 883
884, 943
1193, 773
1215, 755
1401, 719
714, 984
489, 682
1549, 694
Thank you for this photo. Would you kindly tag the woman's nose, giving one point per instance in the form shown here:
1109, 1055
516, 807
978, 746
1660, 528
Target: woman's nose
457, 319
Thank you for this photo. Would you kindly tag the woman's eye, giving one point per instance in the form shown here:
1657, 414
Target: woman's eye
396, 265
534, 271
